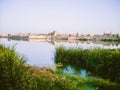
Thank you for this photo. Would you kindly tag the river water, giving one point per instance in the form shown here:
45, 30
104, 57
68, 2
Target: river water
41, 53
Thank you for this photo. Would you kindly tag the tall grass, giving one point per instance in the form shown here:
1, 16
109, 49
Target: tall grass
69, 55
103, 63
11, 68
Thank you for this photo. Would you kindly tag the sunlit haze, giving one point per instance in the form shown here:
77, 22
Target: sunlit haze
63, 16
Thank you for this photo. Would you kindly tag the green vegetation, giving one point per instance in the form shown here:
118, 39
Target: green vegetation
15, 74
104, 63
11, 68
110, 40
83, 39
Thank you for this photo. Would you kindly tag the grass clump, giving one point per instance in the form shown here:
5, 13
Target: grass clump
99, 62
11, 68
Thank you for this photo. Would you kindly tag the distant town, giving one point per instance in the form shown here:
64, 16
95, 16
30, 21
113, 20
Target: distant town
58, 36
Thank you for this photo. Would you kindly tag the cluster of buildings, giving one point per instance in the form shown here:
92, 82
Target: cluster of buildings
57, 36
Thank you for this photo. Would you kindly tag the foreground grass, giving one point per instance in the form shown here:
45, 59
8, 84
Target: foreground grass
15, 74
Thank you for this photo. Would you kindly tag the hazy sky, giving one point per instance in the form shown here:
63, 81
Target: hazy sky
63, 16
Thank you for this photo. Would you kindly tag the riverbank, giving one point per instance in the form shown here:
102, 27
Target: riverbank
16, 74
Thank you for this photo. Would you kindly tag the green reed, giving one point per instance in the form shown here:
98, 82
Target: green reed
103, 63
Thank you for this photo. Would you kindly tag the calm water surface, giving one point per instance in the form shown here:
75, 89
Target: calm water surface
36, 53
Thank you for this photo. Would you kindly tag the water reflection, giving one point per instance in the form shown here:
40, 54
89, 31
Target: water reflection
66, 42
71, 70
83, 73
86, 44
